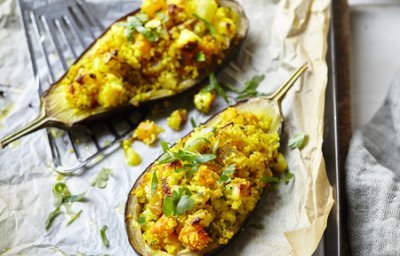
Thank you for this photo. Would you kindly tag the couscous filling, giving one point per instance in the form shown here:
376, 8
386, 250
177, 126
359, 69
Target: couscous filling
155, 51
199, 189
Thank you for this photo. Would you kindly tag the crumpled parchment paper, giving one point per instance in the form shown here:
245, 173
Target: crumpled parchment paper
283, 35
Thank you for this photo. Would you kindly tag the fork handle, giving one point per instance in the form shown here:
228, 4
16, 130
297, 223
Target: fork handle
40, 122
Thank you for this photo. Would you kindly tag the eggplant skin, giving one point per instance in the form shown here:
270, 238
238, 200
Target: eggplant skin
125, 68
245, 136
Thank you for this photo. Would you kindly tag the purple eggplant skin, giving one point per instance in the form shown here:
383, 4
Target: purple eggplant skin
101, 113
258, 105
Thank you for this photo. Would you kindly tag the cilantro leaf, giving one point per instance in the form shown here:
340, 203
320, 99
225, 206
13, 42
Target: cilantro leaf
52, 216
209, 26
185, 204
288, 177
272, 180
251, 86
154, 183
101, 179
103, 236
298, 141
74, 217
226, 174
164, 146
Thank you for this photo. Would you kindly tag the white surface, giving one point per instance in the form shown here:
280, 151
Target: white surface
375, 54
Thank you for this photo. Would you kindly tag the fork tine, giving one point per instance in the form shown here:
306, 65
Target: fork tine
75, 12
51, 33
41, 43
71, 24
91, 15
63, 34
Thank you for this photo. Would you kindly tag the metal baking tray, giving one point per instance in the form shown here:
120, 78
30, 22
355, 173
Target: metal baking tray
332, 241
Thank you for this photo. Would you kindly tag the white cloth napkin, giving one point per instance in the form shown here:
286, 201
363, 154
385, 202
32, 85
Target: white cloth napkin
373, 184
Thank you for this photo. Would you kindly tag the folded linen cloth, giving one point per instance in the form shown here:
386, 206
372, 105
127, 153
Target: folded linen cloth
373, 181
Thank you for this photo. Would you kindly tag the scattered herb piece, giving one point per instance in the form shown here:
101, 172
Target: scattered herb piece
102, 178
74, 217
164, 146
154, 183
201, 57
52, 216
103, 236
298, 141
135, 23
251, 86
178, 203
141, 220
215, 86
272, 180
209, 26
227, 174
193, 123
288, 177
257, 225
162, 16
75, 198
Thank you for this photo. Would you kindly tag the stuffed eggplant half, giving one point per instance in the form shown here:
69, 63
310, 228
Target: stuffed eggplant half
196, 196
164, 48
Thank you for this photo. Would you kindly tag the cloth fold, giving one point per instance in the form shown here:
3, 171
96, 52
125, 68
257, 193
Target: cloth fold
372, 182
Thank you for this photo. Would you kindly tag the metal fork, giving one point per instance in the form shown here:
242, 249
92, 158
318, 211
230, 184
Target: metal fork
57, 31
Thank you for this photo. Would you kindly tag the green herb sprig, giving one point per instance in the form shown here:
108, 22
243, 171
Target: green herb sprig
299, 141
275, 181
227, 174
215, 86
179, 202
104, 237
208, 24
250, 89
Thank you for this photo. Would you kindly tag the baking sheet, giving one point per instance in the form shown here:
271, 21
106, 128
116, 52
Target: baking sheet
283, 36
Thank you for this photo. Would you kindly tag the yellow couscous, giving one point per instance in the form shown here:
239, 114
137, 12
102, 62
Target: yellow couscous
200, 188
177, 119
166, 43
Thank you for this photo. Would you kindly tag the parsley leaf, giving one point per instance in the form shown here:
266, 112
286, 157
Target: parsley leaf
164, 146
226, 174
74, 217
52, 216
200, 57
209, 26
103, 236
298, 141
168, 206
251, 86
101, 179
215, 86
154, 183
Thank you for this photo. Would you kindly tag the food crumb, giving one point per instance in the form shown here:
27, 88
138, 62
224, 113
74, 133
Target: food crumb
131, 156
147, 132
177, 119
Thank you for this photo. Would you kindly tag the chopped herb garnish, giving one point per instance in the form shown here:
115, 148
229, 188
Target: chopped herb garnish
142, 17
201, 57
135, 23
75, 198
178, 203
251, 86
257, 226
272, 180
154, 183
288, 177
163, 17
62, 197
102, 178
227, 174
298, 141
215, 86
74, 217
141, 220
52, 216
193, 123
164, 146
209, 26
103, 236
